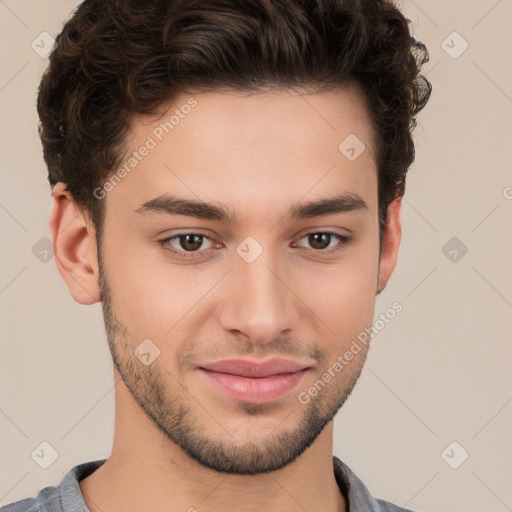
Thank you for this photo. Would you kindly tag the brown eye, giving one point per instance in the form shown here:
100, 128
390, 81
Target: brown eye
190, 242
186, 244
321, 241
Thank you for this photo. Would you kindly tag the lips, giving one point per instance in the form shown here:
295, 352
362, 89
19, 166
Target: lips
254, 381
247, 368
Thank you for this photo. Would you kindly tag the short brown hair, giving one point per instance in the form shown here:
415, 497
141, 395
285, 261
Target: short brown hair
115, 59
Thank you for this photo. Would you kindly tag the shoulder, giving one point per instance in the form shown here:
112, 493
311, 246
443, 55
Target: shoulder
47, 499
357, 494
26, 505
65, 497
386, 506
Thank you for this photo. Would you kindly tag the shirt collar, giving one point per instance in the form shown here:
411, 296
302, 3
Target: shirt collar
356, 494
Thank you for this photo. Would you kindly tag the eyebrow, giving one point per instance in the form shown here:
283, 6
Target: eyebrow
173, 205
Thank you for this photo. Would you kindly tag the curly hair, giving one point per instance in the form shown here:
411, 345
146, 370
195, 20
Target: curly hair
116, 59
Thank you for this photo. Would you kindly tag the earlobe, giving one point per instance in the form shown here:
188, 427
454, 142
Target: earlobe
74, 246
390, 243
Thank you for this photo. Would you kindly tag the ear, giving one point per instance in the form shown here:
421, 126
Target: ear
74, 246
390, 243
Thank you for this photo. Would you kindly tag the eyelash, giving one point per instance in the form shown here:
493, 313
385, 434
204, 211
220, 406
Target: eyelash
343, 240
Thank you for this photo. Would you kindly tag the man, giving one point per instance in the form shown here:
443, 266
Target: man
227, 180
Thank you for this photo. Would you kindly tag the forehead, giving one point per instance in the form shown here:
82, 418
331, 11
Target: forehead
251, 151
243, 116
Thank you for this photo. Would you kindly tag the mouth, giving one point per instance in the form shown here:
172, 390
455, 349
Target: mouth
254, 381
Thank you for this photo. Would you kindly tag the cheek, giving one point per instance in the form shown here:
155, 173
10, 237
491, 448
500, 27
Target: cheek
344, 303
152, 296
342, 296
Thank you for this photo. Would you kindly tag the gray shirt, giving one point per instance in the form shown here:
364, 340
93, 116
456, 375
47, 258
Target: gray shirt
67, 497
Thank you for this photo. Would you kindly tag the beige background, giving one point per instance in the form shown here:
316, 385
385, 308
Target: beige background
438, 373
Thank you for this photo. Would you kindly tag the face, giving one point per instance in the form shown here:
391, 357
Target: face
242, 306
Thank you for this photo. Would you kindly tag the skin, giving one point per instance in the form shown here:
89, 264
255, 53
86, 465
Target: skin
258, 155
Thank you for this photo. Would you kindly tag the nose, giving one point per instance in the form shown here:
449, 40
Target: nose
258, 301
